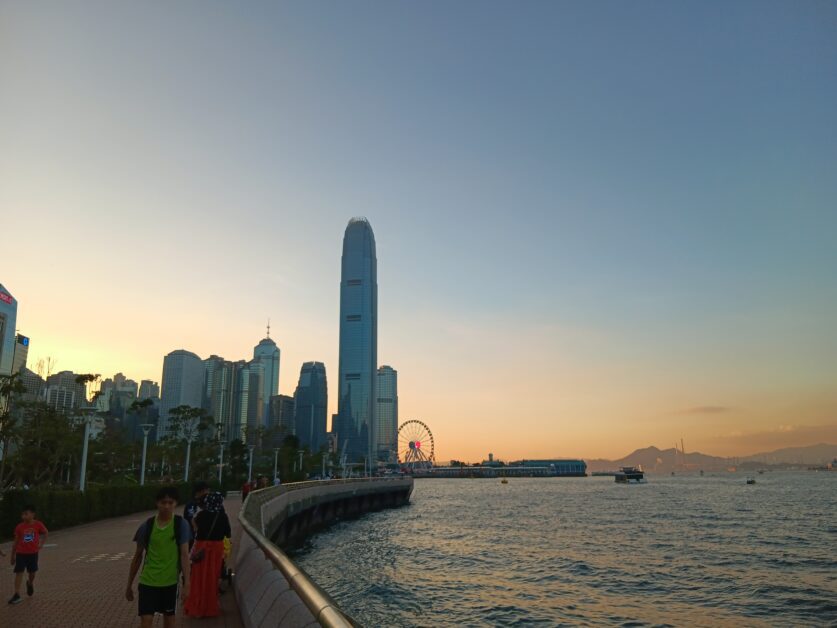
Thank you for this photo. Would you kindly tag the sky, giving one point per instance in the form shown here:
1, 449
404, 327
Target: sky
599, 226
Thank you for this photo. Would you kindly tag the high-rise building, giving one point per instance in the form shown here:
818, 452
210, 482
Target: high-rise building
21, 353
63, 392
249, 401
8, 319
267, 354
311, 406
33, 383
387, 418
148, 389
282, 417
358, 342
182, 385
219, 393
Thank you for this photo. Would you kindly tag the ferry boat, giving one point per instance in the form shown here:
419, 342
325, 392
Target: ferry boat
630, 475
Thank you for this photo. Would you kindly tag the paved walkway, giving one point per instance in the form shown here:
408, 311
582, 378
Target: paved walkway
81, 582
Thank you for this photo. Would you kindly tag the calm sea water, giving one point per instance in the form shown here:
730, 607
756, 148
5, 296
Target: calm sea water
678, 551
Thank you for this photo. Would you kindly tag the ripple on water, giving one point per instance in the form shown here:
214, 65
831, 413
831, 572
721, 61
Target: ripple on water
553, 552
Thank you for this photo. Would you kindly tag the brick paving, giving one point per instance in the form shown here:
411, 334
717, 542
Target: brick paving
81, 582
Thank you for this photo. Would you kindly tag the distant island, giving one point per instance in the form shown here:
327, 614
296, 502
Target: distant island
656, 460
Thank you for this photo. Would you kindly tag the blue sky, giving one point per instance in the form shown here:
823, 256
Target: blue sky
586, 213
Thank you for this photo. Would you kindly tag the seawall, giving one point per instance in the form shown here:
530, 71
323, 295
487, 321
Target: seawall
270, 588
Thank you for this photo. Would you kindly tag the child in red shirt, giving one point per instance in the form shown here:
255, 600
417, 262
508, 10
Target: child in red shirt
30, 536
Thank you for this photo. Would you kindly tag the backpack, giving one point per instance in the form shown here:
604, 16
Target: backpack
149, 528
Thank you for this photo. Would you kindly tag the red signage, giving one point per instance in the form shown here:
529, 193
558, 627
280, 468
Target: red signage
6, 297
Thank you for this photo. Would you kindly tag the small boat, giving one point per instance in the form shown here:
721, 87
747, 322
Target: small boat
751, 480
504, 481
630, 475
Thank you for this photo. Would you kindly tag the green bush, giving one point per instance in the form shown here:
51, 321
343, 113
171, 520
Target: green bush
61, 508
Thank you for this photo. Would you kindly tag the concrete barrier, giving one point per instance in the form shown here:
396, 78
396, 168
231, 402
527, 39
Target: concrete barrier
270, 588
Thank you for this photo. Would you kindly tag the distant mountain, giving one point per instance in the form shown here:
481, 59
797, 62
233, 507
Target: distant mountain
813, 454
657, 460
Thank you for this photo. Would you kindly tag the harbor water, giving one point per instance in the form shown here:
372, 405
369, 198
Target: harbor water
677, 551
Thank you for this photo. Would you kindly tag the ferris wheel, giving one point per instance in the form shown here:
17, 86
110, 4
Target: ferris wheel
415, 445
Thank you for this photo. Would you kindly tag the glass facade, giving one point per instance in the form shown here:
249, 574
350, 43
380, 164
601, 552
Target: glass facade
182, 385
8, 317
356, 403
311, 406
387, 417
267, 354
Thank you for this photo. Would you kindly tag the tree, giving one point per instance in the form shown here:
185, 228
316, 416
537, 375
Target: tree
11, 389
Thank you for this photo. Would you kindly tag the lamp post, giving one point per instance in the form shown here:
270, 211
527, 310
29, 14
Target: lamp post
189, 432
300, 452
146, 428
275, 463
220, 462
323, 475
82, 477
250, 467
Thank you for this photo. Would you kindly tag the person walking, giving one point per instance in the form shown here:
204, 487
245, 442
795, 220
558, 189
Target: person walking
163, 540
30, 536
212, 525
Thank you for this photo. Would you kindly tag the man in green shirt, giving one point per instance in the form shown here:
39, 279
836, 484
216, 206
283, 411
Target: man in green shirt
164, 542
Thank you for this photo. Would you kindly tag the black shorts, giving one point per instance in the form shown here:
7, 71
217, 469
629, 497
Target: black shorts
26, 562
157, 600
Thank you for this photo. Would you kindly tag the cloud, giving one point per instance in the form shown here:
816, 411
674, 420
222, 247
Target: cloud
708, 410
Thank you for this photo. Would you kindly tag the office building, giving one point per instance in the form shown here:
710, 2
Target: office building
63, 393
219, 394
33, 383
8, 319
311, 406
357, 373
282, 418
148, 390
182, 385
21, 353
267, 354
387, 417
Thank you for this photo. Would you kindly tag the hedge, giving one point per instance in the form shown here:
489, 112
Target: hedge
63, 508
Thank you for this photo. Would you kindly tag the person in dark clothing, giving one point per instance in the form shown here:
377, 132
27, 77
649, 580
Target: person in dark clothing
191, 508
211, 526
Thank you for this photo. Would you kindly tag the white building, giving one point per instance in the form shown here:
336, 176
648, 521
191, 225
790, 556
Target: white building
182, 385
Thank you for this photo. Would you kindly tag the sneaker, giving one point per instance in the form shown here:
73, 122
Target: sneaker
15, 599
30, 588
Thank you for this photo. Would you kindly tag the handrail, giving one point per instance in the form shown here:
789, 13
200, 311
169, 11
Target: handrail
320, 603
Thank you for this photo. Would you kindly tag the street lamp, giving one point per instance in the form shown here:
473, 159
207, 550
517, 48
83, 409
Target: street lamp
220, 462
189, 432
300, 452
250, 468
146, 428
82, 477
275, 463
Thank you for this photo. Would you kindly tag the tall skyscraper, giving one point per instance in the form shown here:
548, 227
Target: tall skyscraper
358, 342
21, 353
267, 354
8, 318
182, 385
249, 400
282, 418
311, 405
387, 418
219, 394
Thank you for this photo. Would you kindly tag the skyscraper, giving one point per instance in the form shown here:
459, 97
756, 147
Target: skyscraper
182, 385
311, 405
282, 418
387, 417
21, 353
148, 389
63, 392
358, 342
267, 354
219, 394
8, 318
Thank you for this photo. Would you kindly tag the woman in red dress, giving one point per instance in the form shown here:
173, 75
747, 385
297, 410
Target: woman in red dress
211, 526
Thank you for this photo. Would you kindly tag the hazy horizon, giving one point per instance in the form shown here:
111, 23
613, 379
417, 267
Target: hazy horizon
598, 227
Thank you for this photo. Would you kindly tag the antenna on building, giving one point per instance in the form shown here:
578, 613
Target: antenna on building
268, 327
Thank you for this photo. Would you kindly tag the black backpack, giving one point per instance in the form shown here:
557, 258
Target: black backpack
149, 528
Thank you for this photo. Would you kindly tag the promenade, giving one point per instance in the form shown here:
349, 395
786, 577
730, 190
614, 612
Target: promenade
82, 577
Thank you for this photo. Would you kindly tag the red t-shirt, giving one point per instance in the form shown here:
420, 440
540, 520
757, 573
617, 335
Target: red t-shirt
28, 536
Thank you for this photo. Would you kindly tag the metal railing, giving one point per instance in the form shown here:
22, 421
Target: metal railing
322, 606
